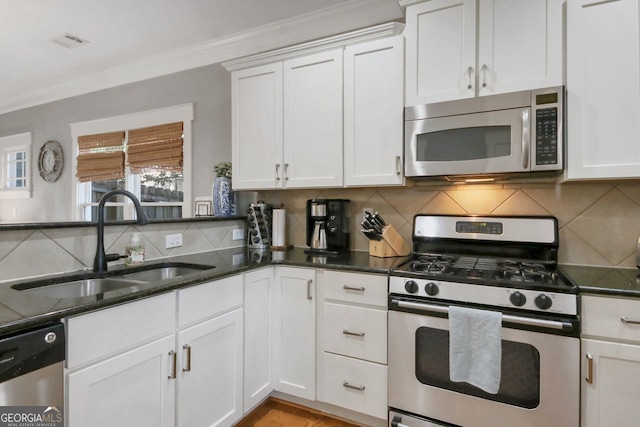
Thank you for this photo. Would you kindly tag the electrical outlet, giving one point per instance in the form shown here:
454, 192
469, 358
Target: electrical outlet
173, 241
238, 233
368, 209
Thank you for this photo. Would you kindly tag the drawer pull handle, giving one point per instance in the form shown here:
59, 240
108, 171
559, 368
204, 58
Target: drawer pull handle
626, 321
174, 365
309, 296
351, 288
354, 387
589, 377
355, 334
188, 367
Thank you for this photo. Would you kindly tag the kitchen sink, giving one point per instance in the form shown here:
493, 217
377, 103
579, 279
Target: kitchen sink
162, 273
87, 284
82, 288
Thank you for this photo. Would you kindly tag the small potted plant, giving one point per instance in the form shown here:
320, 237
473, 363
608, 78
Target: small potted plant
223, 196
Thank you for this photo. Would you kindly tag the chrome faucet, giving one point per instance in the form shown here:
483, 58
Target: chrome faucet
100, 261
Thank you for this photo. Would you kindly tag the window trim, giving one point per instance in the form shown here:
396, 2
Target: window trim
183, 113
12, 143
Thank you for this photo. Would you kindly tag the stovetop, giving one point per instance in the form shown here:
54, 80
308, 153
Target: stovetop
490, 261
505, 272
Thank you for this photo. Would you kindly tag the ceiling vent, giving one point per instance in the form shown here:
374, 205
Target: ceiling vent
69, 41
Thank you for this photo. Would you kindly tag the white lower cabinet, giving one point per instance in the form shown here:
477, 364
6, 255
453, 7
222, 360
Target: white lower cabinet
353, 326
120, 372
259, 339
210, 375
610, 361
131, 389
295, 305
355, 384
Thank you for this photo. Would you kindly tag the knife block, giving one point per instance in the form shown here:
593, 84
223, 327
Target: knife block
392, 244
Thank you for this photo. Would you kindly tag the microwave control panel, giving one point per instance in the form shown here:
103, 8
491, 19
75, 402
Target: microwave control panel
546, 136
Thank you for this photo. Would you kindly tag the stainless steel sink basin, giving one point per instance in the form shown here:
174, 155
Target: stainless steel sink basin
82, 288
162, 273
129, 278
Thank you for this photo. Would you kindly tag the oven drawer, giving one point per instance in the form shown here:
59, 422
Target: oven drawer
603, 317
355, 287
355, 331
355, 384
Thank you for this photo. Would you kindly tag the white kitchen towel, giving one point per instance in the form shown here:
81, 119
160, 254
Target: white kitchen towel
475, 347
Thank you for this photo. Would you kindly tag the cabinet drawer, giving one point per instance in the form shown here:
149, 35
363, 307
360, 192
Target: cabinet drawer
602, 317
355, 331
106, 332
355, 384
355, 287
209, 299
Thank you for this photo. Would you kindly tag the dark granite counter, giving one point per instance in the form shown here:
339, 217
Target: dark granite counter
20, 309
611, 281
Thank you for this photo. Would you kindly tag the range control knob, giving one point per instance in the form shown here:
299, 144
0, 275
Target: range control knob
518, 299
411, 286
431, 289
543, 302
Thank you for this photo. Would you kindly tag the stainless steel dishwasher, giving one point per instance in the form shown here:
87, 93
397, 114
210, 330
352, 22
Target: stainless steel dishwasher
31, 367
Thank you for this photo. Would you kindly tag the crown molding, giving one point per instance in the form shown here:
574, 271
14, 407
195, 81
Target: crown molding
359, 36
323, 23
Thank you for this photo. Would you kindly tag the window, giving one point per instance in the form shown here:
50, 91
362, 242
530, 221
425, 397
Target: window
151, 158
15, 157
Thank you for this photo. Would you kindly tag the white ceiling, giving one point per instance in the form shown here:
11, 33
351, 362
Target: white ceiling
130, 40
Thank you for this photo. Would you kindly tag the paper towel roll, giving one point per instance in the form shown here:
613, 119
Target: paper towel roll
278, 234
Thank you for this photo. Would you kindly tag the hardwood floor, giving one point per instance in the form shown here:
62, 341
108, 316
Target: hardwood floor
278, 413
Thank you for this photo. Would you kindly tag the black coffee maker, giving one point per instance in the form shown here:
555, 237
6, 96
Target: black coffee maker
328, 225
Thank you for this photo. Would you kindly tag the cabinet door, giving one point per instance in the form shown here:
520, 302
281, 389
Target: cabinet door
313, 120
611, 399
256, 121
373, 120
520, 45
441, 51
131, 389
296, 331
259, 340
210, 372
603, 89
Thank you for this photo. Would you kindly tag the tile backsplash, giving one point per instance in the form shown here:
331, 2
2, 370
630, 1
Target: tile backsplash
599, 221
32, 253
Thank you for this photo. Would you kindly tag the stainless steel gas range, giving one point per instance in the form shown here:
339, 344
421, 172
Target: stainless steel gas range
495, 266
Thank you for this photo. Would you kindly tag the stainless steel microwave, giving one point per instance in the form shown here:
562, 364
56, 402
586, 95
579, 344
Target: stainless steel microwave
489, 136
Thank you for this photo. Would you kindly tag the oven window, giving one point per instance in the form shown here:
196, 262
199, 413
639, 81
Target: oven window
520, 376
474, 143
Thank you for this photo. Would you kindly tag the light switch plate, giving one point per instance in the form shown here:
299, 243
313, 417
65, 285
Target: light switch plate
173, 241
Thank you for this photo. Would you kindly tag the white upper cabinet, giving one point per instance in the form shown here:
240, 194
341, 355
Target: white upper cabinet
313, 121
256, 126
323, 114
603, 89
373, 106
518, 47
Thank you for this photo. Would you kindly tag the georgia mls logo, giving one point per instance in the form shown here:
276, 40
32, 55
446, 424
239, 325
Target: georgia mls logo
31, 416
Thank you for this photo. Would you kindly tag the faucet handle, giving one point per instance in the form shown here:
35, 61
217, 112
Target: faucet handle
114, 257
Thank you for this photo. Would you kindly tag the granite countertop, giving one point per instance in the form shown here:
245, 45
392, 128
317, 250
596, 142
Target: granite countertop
20, 310
611, 281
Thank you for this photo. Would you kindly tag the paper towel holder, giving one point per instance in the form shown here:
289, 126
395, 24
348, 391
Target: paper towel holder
279, 229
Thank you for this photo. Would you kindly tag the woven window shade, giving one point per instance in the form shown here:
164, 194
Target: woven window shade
100, 156
155, 148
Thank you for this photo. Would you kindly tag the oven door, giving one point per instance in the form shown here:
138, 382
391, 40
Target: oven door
479, 143
539, 379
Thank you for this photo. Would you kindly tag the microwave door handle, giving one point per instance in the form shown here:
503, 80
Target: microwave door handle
526, 138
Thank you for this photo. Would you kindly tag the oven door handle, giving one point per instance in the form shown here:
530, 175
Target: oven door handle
553, 324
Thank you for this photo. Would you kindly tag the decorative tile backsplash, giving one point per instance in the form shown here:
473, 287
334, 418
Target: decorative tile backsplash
599, 221
31, 253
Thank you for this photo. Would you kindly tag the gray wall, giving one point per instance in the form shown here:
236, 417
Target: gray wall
209, 88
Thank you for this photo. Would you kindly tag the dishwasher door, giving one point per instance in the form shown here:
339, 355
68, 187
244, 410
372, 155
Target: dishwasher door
31, 367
